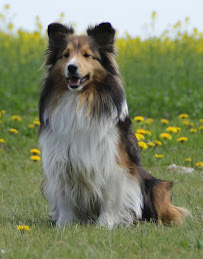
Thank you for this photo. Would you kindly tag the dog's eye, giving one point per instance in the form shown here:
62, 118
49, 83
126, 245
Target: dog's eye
66, 55
86, 55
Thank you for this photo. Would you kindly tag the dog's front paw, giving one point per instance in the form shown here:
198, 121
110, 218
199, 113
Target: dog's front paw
106, 220
62, 222
53, 215
66, 217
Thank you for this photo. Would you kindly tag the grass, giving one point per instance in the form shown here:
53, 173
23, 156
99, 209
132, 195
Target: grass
90, 242
22, 203
163, 77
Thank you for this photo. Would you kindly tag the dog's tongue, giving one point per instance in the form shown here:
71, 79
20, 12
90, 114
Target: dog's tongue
74, 81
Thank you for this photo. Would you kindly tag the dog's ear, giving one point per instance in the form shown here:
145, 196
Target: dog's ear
57, 31
104, 35
57, 41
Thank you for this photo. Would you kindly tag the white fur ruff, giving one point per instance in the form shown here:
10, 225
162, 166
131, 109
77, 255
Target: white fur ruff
81, 170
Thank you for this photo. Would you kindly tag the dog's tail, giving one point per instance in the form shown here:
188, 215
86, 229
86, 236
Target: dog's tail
166, 211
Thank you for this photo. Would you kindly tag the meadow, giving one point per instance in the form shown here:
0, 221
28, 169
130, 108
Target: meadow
163, 79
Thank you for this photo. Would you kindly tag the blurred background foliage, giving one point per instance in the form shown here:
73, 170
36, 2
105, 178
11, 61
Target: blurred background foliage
163, 75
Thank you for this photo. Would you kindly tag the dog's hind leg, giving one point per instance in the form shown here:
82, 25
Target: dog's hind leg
167, 212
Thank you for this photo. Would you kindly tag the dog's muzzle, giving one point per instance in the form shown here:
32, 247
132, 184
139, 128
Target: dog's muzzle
74, 80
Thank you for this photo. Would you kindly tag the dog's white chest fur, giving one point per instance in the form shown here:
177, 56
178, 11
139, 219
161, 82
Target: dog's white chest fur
80, 162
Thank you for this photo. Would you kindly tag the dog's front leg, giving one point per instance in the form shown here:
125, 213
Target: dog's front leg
65, 212
108, 216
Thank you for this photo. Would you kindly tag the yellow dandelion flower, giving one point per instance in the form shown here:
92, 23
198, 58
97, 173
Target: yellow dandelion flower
200, 127
148, 132
172, 129
3, 112
158, 143
142, 145
183, 116
178, 129
35, 151
31, 126
191, 124
151, 144
188, 159
149, 120
2, 141
186, 122
199, 164
201, 120
192, 130
141, 131
36, 122
182, 139
139, 136
14, 131
35, 158
23, 228
164, 121
138, 118
159, 155
166, 136
16, 118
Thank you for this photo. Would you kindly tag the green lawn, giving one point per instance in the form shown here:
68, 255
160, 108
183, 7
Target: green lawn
23, 204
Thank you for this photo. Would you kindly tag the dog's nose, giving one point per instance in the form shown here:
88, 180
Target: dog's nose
72, 69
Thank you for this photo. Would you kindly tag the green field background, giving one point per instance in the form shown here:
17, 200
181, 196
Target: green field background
163, 76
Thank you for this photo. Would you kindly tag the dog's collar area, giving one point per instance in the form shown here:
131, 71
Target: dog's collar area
75, 82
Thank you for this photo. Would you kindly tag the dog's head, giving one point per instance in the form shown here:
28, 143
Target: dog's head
80, 60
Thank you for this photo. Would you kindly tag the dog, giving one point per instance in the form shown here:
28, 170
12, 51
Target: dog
90, 154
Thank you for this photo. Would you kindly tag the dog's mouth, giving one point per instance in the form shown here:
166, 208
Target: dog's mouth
75, 82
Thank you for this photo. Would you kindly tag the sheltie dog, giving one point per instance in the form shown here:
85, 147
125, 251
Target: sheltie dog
91, 158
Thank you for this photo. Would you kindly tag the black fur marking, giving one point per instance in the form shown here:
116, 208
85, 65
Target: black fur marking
97, 59
111, 96
57, 41
148, 182
103, 34
55, 29
130, 139
47, 91
147, 187
106, 62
